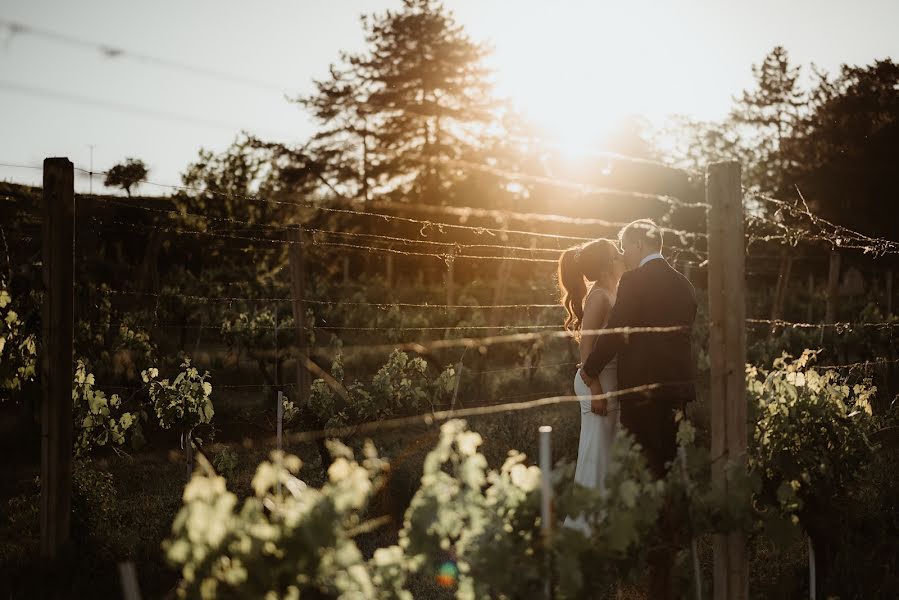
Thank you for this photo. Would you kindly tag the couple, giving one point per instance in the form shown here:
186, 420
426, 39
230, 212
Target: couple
633, 287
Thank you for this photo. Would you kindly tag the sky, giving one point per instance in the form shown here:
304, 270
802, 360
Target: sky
574, 67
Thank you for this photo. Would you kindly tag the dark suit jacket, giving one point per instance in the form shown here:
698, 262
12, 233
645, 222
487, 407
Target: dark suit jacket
654, 295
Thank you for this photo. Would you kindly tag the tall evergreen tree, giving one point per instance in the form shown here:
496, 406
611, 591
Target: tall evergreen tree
845, 150
342, 147
769, 114
396, 115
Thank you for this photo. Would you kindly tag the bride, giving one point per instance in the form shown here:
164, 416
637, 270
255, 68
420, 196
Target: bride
600, 264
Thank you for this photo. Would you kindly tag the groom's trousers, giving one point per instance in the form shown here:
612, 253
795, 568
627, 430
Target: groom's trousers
652, 424
651, 421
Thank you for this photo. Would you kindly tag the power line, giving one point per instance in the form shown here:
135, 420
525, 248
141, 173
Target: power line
114, 106
115, 52
13, 166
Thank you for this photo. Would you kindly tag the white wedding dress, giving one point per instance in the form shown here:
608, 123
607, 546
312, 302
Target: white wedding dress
597, 435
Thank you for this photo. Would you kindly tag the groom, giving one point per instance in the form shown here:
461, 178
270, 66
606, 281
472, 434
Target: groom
650, 294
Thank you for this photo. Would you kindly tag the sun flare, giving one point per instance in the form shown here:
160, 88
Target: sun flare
578, 70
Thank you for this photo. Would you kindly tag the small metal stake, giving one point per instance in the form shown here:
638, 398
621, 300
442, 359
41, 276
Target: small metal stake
547, 498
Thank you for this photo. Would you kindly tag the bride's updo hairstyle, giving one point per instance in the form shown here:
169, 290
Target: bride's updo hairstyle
588, 262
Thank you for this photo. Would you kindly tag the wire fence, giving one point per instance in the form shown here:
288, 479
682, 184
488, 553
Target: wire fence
760, 228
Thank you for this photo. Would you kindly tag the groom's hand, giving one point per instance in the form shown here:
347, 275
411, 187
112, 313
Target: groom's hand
588, 381
598, 405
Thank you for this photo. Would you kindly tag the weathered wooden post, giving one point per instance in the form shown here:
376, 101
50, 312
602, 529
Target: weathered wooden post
57, 373
298, 293
727, 353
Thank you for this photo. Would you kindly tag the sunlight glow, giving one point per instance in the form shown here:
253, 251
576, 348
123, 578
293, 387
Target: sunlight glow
576, 69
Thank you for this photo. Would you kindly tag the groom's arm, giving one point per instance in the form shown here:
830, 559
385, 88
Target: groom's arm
623, 315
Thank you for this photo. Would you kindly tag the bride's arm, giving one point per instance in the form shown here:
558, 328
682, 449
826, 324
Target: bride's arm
596, 311
624, 314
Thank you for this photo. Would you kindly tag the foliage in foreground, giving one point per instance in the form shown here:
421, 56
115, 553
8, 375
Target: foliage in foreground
401, 386
811, 448
467, 522
100, 420
810, 438
185, 401
18, 349
287, 540
103, 420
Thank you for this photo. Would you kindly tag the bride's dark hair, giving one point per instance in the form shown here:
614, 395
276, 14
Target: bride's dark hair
587, 262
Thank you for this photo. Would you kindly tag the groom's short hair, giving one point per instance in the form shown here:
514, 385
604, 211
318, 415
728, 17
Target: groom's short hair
645, 230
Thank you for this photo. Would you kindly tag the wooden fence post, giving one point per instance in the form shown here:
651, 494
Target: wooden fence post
298, 293
57, 373
727, 353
